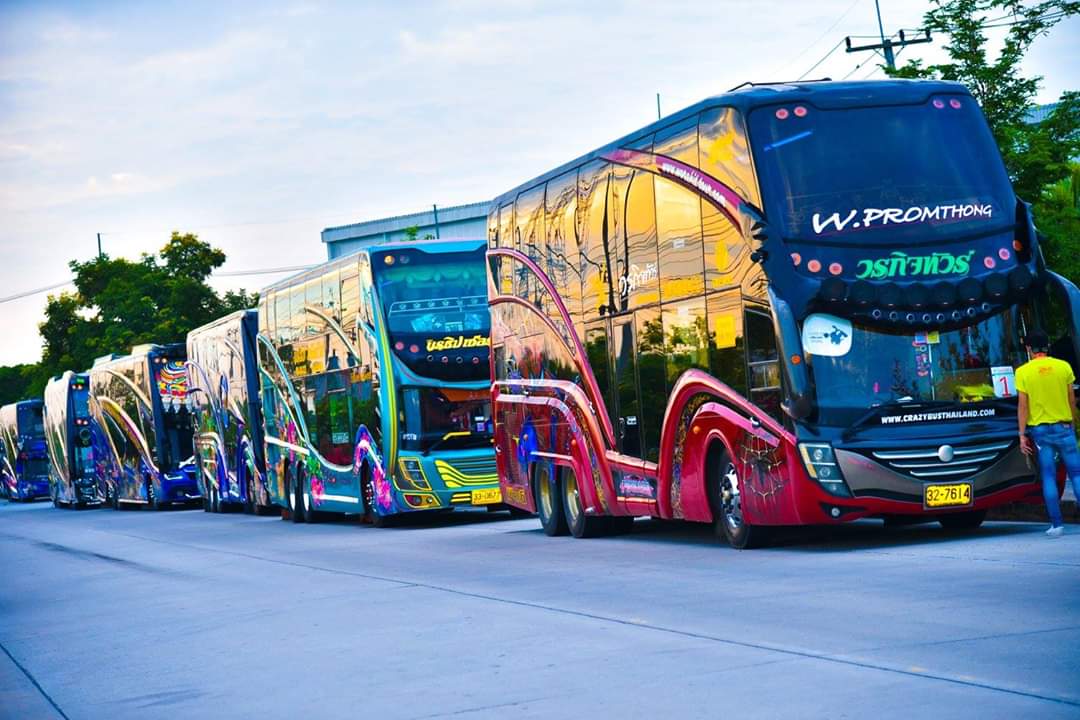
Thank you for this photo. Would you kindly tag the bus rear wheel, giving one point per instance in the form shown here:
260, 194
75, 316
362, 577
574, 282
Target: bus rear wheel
152, 499
969, 520
548, 499
725, 496
580, 524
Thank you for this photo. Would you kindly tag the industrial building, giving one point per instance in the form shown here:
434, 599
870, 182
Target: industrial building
456, 222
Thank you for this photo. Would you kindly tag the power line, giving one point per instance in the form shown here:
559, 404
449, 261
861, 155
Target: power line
230, 273
819, 38
823, 59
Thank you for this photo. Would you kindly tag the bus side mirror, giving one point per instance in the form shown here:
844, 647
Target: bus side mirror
798, 403
1070, 294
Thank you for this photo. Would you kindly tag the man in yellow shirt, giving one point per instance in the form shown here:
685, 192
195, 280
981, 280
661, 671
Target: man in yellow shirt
1047, 413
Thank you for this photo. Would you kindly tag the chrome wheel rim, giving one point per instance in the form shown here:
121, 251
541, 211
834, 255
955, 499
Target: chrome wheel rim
547, 501
573, 500
731, 498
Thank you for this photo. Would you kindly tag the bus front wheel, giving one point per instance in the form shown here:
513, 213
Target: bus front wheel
296, 496
548, 498
725, 497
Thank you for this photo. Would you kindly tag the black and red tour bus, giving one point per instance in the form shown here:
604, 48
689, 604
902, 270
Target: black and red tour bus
789, 304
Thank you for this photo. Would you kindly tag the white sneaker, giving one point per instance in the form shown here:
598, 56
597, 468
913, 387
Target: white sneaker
1056, 531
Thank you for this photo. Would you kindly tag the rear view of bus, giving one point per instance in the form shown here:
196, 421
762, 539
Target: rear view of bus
223, 387
24, 467
69, 435
375, 383
140, 403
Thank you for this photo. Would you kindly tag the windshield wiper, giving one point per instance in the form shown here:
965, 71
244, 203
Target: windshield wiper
877, 410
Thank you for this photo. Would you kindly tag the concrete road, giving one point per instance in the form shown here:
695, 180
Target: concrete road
181, 614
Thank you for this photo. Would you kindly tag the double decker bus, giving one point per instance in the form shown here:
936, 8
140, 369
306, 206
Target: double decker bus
139, 402
223, 387
375, 387
69, 436
24, 464
790, 304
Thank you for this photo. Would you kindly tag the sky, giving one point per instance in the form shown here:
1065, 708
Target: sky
256, 125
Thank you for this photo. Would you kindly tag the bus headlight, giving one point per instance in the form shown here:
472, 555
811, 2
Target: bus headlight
412, 475
820, 462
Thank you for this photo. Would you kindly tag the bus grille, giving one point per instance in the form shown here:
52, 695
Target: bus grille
467, 473
930, 463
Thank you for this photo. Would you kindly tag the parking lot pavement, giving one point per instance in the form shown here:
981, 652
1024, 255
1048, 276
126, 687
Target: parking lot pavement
182, 614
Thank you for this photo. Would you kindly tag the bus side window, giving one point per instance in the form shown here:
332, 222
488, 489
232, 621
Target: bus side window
763, 362
727, 349
678, 218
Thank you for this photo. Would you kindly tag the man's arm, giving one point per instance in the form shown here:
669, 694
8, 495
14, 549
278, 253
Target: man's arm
1022, 420
1072, 406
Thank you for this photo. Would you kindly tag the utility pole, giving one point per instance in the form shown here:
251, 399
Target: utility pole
99, 246
435, 210
658, 115
887, 43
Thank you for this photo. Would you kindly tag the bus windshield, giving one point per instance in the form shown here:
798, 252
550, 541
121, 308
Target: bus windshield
447, 418
436, 311
881, 175
862, 367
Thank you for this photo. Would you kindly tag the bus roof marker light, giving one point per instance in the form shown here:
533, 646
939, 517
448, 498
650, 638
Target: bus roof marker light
800, 111
835, 268
414, 348
938, 103
796, 359
1017, 245
796, 259
1004, 254
399, 345
782, 114
814, 266
954, 104
989, 262
389, 259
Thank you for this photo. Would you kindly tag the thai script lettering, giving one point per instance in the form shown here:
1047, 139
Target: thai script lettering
457, 343
899, 264
637, 277
880, 217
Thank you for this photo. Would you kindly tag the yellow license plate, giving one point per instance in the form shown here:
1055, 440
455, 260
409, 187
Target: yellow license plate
487, 497
947, 495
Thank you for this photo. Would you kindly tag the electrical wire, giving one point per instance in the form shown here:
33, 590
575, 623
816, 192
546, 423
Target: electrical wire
230, 273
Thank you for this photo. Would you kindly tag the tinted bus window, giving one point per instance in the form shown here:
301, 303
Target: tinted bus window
860, 174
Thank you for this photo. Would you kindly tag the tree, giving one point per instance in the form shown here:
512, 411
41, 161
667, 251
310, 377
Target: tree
119, 303
1037, 155
1059, 222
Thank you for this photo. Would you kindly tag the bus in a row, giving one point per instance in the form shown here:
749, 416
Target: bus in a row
223, 389
790, 304
24, 462
374, 384
144, 452
69, 437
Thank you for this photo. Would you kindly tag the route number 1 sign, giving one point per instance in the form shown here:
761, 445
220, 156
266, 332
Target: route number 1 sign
1004, 380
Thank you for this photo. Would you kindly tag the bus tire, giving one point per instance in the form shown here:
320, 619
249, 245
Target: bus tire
311, 515
296, 501
725, 497
548, 498
967, 520
152, 500
579, 524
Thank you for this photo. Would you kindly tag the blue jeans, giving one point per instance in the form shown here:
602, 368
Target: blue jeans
1050, 440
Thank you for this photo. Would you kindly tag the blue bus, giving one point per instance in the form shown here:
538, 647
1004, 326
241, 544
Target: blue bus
69, 437
375, 384
223, 387
24, 464
140, 403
